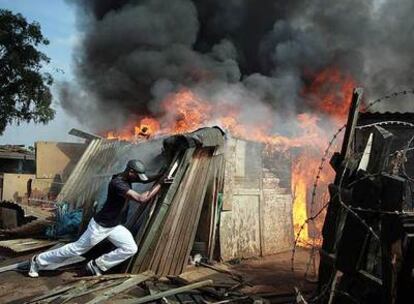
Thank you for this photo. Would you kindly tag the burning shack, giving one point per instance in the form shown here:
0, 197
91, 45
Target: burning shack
367, 253
227, 199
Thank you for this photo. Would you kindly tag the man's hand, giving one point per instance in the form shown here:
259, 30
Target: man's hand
144, 197
168, 180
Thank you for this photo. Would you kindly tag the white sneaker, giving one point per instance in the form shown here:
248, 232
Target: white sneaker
93, 269
34, 267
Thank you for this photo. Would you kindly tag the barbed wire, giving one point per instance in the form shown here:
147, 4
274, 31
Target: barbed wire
389, 96
387, 122
349, 208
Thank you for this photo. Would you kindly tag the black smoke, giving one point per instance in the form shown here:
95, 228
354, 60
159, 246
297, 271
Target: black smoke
254, 52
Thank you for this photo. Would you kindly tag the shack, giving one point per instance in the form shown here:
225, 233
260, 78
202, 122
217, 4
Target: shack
228, 198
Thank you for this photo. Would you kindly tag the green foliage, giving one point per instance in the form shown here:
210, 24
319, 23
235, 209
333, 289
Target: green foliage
24, 88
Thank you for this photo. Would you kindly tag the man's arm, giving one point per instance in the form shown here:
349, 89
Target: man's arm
143, 197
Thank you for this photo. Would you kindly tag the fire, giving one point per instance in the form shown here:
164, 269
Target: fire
300, 209
185, 111
147, 126
328, 95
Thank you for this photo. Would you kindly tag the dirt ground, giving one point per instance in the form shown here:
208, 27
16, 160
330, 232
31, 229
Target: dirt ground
267, 275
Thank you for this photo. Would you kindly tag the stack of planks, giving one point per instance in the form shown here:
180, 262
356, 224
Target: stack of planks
168, 241
173, 245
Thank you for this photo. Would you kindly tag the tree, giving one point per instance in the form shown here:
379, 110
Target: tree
24, 87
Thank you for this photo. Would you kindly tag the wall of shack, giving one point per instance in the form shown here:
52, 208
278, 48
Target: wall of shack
256, 217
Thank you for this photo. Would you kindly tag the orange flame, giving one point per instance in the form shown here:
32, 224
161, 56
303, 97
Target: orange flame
329, 95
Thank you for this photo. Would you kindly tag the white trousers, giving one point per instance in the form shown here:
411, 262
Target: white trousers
118, 235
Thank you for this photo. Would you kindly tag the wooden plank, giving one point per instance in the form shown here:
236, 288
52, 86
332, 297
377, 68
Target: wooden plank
229, 174
227, 248
191, 232
171, 223
240, 158
15, 266
167, 293
179, 227
277, 228
239, 229
83, 134
129, 283
179, 231
22, 245
207, 216
247, 226
53, 293
217, 209
179, 235
152, 261
351, 123
152, 235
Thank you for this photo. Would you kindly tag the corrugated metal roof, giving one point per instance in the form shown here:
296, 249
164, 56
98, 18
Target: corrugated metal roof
16, 152
373, 117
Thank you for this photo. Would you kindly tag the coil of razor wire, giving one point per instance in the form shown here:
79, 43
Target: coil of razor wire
321, 166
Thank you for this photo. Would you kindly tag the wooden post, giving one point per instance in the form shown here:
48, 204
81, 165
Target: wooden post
351, 123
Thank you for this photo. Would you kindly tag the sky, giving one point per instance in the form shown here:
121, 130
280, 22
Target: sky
57, 20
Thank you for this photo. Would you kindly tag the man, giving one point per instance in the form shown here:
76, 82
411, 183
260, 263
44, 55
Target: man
105, 224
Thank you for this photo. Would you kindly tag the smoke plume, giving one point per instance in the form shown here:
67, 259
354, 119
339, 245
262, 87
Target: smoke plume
257, 54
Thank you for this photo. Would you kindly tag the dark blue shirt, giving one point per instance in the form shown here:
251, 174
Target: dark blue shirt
113, 210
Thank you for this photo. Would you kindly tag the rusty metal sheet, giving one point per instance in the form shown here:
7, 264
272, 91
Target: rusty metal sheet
22, 245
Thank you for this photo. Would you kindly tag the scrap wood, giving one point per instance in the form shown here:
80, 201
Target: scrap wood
75, 290
16, 266
31, 229
219, 280
56, 291
153, 289
75, 282
105, 277
22, 245
24, 265
152, 236
234, 275
169, 249
83, 290
129, 283
210, 290
167, 293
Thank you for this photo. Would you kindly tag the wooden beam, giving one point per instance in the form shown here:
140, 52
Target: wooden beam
84, 135
167, 293
149, 241
352, 121
129, 283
